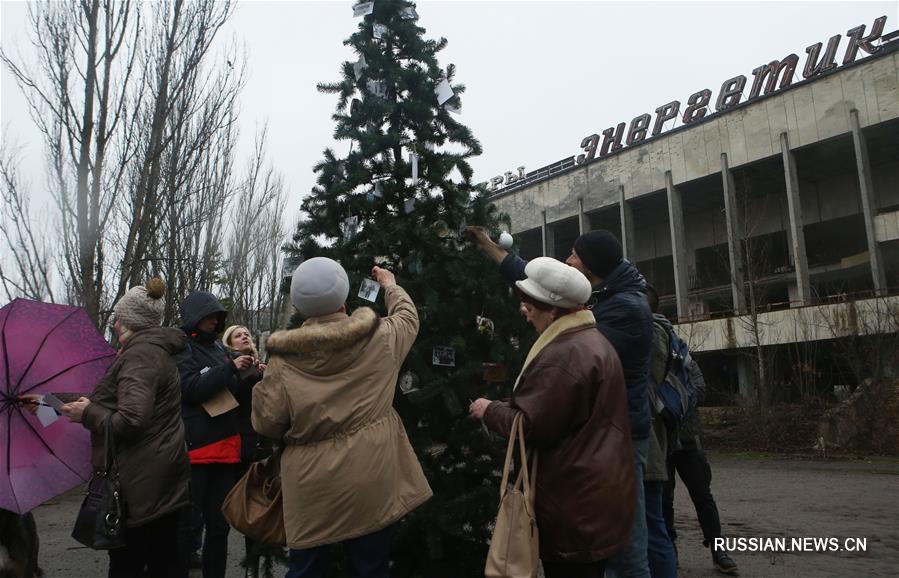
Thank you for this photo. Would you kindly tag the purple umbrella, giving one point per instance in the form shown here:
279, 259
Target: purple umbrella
44, 348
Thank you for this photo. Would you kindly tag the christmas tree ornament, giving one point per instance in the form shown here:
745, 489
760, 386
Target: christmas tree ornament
443, 356
413, 160
377, 88
409, 205
379, 31
350, 227
363, 9
355, 107
505, 240
359, 66
378, 192
485, 325
369, 290
441, 229
408, 382
384, 261
444, 92
409, 13
436, 450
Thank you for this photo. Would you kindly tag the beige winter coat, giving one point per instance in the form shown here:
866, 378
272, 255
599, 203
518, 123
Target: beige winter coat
348, 469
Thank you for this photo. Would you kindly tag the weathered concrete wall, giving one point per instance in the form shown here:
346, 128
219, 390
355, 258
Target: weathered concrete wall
862, 317
808, 114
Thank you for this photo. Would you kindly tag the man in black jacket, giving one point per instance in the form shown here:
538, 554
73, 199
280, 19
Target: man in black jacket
623, 317
209, 384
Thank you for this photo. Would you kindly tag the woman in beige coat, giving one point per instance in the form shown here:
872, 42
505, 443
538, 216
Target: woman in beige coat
348, 471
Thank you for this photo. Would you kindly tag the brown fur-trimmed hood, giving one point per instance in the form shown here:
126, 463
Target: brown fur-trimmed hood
326, 334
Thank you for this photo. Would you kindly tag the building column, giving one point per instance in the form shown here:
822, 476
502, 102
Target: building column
797, 235
583, 224
734, 236
547, 235
626, 214
869, 203
678, 246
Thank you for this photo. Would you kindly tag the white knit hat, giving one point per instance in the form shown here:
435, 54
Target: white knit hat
555, 283
142, 307
319, 287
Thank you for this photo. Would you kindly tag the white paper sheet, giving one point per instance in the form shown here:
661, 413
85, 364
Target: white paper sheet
363, 9
46, 415
444, 92
359, 66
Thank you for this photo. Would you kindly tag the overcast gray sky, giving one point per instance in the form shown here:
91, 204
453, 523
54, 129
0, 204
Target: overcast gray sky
540, 75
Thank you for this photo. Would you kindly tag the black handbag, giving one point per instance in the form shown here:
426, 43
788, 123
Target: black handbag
101, 521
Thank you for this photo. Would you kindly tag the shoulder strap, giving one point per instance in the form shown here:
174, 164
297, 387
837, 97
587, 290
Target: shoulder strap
109, 444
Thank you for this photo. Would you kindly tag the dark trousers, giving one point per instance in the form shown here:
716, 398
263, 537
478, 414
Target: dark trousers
557, 569
660, 548
367, 557
209, 484
149, 551
694, 470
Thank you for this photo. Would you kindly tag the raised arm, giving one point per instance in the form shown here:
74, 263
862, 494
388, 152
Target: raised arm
402, 317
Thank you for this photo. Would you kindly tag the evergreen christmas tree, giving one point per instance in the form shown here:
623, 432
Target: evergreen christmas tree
399, 199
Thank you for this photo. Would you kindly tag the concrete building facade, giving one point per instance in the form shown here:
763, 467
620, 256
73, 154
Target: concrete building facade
784, 205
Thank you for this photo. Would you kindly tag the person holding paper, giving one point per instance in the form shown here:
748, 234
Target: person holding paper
253, 447
139, 396
209, 383
348, 471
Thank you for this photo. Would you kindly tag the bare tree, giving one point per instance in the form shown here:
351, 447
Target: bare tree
757, 267
29, 274
190, 104
250, 274
86, 53
136, 118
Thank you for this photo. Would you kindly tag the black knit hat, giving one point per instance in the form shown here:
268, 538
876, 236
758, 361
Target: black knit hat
599, 251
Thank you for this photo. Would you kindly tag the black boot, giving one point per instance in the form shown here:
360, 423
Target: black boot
252, 567
723, 562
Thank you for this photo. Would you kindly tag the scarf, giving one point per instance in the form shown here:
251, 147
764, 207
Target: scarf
576, 320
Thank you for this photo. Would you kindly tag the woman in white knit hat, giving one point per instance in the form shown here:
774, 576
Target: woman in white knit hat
348, 471
140, 399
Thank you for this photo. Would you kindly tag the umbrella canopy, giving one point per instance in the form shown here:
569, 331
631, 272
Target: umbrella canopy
44, 348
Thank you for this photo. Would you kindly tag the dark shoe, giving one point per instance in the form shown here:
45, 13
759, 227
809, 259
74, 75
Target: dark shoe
196, 560
723, 563
251, 565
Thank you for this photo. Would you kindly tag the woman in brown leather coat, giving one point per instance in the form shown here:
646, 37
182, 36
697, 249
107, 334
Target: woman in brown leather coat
572, 396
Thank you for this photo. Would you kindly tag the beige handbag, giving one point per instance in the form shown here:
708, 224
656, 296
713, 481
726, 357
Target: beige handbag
515, 547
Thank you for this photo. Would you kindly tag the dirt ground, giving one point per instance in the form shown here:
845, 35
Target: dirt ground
757, 497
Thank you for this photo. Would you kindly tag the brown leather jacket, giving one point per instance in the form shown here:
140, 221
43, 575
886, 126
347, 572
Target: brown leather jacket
574, 403
141, 394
